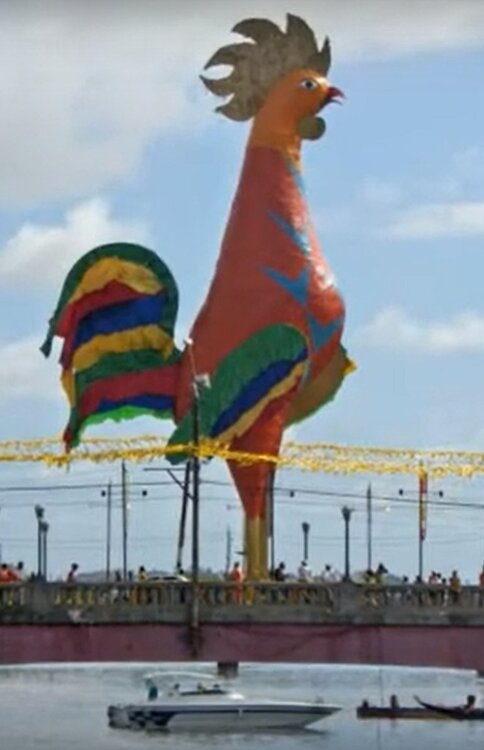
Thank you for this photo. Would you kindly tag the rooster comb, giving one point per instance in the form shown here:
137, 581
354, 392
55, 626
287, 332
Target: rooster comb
259, 64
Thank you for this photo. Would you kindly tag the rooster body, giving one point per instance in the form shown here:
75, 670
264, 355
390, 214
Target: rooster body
269, 332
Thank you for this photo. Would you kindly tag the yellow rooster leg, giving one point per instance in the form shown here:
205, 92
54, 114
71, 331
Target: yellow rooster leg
256, 549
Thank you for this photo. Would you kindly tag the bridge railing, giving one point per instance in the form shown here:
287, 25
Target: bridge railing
170, 599
169, 594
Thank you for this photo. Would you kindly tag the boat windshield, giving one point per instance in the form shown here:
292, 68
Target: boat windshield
200, 689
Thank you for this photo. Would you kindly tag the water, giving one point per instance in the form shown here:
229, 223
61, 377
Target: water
64, 708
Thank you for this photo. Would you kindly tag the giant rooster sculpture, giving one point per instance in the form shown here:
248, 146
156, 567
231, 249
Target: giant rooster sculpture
269, 332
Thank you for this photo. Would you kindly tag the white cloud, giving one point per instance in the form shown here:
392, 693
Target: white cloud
86, 86
393, 328
439, 220
39, 254
380, 193
24, 373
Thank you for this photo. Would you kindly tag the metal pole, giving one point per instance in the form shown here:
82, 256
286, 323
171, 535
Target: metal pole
195, 605
196, 488
39, 549
422, 516
124, 507
109, 507
369, 523
45, 530
228, 549
39, 514
305, 530
346, 513
347, 549
270, 516
183, 517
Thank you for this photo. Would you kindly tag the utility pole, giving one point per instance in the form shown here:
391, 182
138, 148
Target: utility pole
183, 517
108, 494
198, 382
228, 549
124, 509
196, 485
369, 527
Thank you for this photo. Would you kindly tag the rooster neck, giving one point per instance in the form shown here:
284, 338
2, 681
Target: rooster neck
287, 143
269, 223
270, 181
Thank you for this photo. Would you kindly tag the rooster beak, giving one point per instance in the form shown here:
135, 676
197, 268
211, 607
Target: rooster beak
333, 94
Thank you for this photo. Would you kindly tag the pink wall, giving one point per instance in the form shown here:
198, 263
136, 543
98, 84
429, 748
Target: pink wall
445, 646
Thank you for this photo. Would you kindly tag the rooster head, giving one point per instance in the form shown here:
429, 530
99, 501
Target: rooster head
279, 77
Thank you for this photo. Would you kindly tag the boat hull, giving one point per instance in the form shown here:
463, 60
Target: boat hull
428, 712
226, 718
406, 713
456, 713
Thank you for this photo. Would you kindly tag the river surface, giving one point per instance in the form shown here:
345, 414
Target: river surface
64, 708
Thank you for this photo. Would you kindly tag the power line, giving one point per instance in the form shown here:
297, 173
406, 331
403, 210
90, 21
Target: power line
292, 491
442, 504
72, 486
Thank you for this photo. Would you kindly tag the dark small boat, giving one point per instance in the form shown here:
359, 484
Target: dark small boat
458, 713
365, 711
424, 710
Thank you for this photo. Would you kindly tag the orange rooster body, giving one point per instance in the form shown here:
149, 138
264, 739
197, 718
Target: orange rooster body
269, 332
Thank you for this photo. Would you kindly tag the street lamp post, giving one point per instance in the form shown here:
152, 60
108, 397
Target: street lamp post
39, 514
44, 529
107, 493
346, 513
305, 530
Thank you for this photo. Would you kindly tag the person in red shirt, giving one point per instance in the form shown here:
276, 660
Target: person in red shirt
4, 573
12, 576
237, 576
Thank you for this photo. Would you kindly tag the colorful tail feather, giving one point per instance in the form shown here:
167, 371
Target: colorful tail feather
116, 314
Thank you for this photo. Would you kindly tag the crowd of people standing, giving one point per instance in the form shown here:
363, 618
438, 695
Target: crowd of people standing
12, 573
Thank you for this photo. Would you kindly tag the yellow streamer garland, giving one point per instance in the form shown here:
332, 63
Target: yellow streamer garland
315, 457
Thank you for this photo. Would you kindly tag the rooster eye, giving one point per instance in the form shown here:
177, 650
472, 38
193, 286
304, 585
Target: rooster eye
309, 84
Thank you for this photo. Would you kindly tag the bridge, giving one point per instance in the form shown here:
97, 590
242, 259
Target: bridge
222, 622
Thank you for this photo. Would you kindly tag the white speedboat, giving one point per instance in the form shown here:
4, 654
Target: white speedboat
215, 708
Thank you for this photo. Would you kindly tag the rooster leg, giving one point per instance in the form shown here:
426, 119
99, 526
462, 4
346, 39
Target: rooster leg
253, 481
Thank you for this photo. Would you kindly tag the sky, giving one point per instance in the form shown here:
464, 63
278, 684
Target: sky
108, 134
